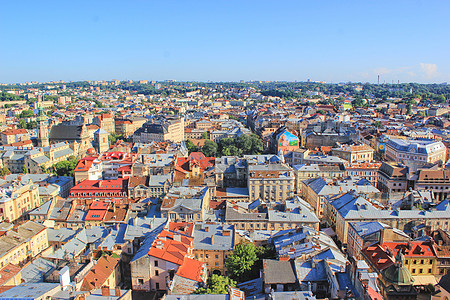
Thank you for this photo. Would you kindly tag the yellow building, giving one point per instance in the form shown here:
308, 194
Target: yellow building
360, 153
22, 243
17, 198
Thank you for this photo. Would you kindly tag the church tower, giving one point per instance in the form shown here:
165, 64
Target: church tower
101, 142
42, 130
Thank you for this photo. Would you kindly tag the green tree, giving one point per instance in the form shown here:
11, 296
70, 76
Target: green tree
216, 284
240, 262
377, 124
65, 168
26, 114
205, 135
4, 171
23, 124
209, 149
24, 170
190, 146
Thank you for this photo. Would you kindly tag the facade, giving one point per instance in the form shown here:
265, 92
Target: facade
213, 242
354, 153
106, 122
366, 170
10, 136
304, 172
415, 152
22, 243
153, 186
101, 141
87, 191
161, 130
435, 181
274, 182
392, 178
186, 204
17, 198
105, 273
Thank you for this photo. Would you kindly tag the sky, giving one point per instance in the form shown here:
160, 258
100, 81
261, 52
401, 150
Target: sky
215, 40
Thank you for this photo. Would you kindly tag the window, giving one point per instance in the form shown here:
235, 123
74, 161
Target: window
429, 271
421, 261
156, 263
157, 285
406, 262
156, 273
206, 255
217, 256
414, 271
420, 271
140, 281
216, 264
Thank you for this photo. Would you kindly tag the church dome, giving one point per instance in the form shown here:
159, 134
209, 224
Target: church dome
397, 273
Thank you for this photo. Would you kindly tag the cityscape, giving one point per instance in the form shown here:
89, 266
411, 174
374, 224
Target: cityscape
224, 150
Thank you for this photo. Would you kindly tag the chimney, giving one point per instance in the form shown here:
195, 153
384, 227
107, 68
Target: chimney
117, 291
206, 229
105, 291
226, 233
212, 239
284, 258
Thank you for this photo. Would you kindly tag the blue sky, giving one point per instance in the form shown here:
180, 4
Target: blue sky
228, 40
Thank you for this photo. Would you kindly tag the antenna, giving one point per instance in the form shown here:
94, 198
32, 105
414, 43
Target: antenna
378, 79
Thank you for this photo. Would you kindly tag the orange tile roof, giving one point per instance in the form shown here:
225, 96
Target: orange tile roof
8, 272
411, 249
83, 165
378, 256
97, 276
14, 131
171, 247
191, 269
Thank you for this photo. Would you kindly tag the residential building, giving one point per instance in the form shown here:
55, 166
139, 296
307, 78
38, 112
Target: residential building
367, 170
10, 136
89, 190
105, 122
186, 204
153, 186
354, 153
274, 182
363, 234
303, 172
213, 242
17, 198
161, 130
435, 181
196, 169
415, 153
393, 178
21, 243
316, 190
105, 273
88, 168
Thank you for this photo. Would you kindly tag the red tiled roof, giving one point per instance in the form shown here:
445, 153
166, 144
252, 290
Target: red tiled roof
95, 215
191, 269
411, 249
97, 276
378, 256
8, 272
14, 131
165, 247
83, 165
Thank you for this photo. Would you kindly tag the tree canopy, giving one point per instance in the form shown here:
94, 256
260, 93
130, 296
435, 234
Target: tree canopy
65, 168
216, 284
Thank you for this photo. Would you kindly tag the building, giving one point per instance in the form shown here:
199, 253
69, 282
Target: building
186, 204
367, 170
18, 198
88, 168
303, 172
316, 190
11, 136
89, 190
415, 153
354, 153
394, 278
106, 122
101, 141
363, 234
393, 178
213, 242
42, 130
196, 169
160, 130
75, 134
19, 244
105, 273
153, 186
274, 182
436, 181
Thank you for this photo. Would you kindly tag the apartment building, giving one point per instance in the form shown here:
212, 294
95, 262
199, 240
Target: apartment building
354, 153
161, 130
393, 178
153, 186
21, 243
186, 204
367, 170
10, 136
17, 198
303, 172
436, 181
106, 122
213, 242
274, 182
415, 152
